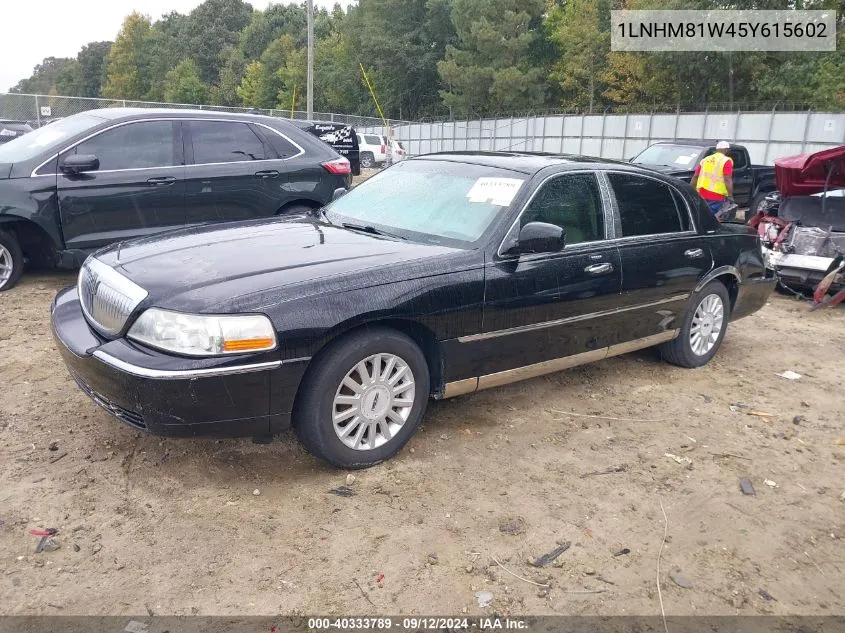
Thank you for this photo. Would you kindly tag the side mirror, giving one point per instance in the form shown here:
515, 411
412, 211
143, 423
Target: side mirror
540, 237
79, 163
339, 193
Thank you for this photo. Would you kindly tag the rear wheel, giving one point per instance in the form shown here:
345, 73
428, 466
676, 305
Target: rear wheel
367, 160
363, 398
295, 211
11, 261
703, 328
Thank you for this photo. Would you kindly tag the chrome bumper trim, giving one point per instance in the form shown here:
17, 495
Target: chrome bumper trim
182, 374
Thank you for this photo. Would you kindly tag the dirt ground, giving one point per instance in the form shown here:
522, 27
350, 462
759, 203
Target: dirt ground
151, 525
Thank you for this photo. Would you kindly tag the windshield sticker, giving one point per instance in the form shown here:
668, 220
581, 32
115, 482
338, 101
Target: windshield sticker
497, 191
684, 159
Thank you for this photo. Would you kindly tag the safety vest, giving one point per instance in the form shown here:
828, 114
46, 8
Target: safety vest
712, 177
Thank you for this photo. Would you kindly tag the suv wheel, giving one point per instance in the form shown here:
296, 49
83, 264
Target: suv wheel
367, 160
703, 328
363, 398
11, 261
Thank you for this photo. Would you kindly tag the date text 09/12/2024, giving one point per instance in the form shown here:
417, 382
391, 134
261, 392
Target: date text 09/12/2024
415, 624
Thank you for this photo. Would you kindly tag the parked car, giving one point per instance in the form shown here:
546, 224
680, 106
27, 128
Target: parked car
109, 175
441, 276
10, 130
373, 150
397, 150
341, 137
680, 158
802, 224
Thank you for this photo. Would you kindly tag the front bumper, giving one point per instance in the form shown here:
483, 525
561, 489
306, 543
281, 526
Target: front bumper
170, 395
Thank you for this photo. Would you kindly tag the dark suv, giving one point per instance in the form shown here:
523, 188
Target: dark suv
109, 175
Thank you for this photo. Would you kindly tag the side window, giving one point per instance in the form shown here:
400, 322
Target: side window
225, 142
572, 202
646, 206
372, 140
739, 158
133, 146
282, 148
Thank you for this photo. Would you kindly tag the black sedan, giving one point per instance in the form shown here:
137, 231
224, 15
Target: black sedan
443, 275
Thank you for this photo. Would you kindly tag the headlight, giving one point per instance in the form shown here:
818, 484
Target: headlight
203, 335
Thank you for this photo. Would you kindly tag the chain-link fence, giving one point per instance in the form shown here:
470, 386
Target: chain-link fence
38, 110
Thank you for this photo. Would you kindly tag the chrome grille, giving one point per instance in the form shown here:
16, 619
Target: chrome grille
108, 298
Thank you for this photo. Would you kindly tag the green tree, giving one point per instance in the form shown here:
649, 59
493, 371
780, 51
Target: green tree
209, 29
91, 67
126, 76
232, 68
182, 84
54, 75
492, 68
253, 88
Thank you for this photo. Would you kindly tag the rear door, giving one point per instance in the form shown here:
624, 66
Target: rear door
546, 306
138, 190
231, 173
662, 255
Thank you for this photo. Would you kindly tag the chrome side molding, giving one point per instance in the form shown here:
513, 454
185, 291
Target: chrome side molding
469, 385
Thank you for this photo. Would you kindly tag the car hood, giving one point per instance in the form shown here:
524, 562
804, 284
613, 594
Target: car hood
217, 267
669, 170
806, 174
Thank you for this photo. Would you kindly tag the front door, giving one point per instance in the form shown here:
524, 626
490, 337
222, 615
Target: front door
663, 257
138, 190
542, 307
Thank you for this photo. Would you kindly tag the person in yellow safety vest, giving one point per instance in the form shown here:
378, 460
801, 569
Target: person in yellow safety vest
713, 178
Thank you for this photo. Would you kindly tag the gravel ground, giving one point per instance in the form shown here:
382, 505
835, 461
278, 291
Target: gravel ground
492, 481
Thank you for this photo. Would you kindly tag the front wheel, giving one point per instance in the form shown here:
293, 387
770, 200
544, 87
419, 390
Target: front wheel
703, 328
367, 160
11, 261
363, 398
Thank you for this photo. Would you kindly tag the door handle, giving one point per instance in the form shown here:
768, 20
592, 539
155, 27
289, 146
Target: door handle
163, 181
599, 269
694, 253
269, 173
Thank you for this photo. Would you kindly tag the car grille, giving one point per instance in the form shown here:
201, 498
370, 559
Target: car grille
124, 415
108, 298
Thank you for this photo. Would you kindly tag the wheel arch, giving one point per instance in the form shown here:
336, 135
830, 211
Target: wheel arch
729, 277
417, 332
304, 202
35, 241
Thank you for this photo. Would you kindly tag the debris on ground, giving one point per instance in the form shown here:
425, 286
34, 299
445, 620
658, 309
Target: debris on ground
350, 479
514, 526
770, 483
432, 559
621, 468
136, 627
342, 491
766, 595
842, 496
679, 580
839, 441
761, 414
484, 598
789, 375
707, 399
256, 492
545, 559
54, 446
737, 406
622, 552
683, 461
798, 419
53, 460
380, 578
746, 486
46, 543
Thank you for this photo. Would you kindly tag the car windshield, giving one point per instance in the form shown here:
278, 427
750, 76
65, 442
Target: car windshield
34, 143
680, 156
430, 201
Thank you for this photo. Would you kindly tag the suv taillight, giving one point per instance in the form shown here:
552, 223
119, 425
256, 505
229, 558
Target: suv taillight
337, 166
384, 149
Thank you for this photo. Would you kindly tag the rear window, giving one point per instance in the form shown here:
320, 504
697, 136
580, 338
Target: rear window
370, 139
49, 137
646, 206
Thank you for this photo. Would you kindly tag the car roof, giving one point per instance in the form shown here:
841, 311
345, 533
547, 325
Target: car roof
305, 123
692, 142
129, 113
526, 162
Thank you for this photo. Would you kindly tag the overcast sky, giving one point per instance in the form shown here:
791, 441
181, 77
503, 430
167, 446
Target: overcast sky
59, 28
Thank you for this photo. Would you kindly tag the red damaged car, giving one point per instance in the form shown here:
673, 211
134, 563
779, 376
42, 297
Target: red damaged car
802, 225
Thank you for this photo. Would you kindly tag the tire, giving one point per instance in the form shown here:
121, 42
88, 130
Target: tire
367, 160
295, 211
11, 261
751, 211
682, 351
327, 379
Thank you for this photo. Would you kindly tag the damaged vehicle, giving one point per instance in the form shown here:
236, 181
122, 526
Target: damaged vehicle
441, 276
802, 225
